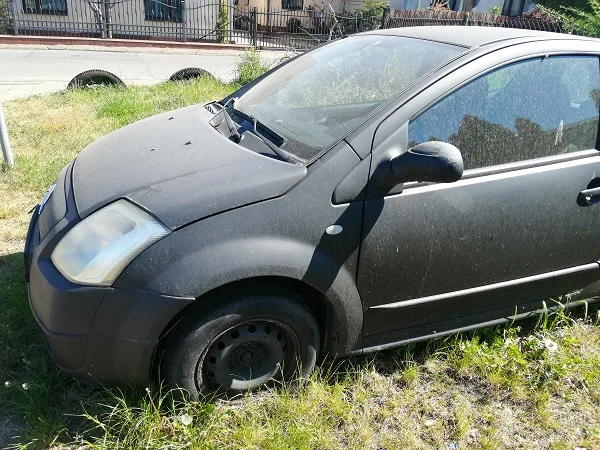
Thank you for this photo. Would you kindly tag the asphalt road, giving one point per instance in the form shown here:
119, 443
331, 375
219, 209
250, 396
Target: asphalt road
29, 70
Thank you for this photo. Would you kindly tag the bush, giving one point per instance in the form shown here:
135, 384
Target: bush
584, 20
496, 10
366, 18
250, 66
556, 4
373, 7
222, 22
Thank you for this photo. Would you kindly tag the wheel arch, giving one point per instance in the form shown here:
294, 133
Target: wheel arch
337, 329
200, 272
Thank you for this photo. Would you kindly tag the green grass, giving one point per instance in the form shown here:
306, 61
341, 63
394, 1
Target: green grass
536, 385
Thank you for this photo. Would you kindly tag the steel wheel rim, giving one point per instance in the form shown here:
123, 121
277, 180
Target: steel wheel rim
247, 356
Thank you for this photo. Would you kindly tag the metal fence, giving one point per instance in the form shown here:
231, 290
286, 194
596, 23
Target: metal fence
222, 21
304, 29
180, 20
415, 18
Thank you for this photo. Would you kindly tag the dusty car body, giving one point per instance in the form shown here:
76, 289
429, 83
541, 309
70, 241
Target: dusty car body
276, 225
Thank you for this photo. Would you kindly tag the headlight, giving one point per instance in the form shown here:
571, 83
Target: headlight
98, 248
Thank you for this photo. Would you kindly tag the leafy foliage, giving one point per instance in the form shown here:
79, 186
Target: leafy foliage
556, 4
583, 19
250, 66
4, 17
222, 23
373, 7
366, 18
496, 10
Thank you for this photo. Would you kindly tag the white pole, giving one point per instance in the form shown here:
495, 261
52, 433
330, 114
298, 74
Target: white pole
4, 143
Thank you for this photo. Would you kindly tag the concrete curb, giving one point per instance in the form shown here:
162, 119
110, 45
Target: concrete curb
111, 43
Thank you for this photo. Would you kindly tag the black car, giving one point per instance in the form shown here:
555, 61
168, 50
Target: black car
387, 187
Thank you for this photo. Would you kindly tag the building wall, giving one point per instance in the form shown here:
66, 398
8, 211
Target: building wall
280, 19
127, 18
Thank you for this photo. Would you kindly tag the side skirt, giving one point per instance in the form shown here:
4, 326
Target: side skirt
531, 311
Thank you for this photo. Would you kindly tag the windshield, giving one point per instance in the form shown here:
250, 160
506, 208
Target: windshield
318, 98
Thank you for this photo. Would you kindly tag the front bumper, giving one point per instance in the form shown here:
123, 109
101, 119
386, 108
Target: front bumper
98, 334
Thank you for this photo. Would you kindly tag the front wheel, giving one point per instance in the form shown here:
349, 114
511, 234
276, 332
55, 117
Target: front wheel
247, 344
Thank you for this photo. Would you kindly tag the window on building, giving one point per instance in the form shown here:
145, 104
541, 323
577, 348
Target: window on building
56, 7
507, 7
527, 110
412, 4
292, 4
164, 10
518, 7
486, 6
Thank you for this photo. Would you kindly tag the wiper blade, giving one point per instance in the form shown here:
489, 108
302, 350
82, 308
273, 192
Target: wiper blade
270, 144
224, 116
232, 128
274, 148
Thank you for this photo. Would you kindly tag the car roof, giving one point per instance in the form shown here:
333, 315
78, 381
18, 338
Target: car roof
471, 36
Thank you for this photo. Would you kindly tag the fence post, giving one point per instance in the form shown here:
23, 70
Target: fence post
254, 26
107, 18
13, 10
6, 151
102, 14
466, 19
269, 17
359, 21
101, 21
386, 13
183, 21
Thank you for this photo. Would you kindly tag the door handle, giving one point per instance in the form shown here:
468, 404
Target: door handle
590, 196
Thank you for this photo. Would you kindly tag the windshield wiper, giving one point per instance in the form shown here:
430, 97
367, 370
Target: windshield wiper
268, 143
232, 128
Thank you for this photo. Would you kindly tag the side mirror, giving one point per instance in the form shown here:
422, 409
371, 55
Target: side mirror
433, 161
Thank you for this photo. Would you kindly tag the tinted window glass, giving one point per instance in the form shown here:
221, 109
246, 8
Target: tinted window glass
531, 109
316, 99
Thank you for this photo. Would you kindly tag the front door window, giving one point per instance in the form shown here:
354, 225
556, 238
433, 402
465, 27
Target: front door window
527, 110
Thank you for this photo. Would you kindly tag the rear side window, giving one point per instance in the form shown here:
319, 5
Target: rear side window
527, 110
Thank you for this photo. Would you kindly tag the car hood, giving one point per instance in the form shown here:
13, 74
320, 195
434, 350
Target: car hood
178, 167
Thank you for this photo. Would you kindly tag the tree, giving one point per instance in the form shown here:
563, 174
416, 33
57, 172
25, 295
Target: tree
557, 4
4, 17
222, 22
583, 19
373, 7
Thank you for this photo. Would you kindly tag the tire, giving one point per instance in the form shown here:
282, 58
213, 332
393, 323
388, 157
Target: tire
190, 73
91, 78
250, 343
